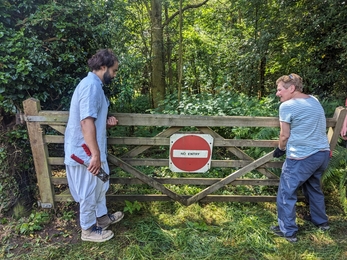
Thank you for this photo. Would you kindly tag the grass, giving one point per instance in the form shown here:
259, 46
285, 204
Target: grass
170, 231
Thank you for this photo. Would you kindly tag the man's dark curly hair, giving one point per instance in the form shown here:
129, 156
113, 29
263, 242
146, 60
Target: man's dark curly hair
104, 57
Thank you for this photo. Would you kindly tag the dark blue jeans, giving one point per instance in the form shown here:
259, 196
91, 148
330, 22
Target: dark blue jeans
306, 173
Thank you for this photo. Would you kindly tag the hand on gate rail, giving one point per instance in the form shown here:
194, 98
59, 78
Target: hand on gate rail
279, 152
102, 175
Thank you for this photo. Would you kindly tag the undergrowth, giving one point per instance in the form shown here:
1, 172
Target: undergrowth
168, 230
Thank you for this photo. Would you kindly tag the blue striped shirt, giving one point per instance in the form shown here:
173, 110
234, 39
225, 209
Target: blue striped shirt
307, 127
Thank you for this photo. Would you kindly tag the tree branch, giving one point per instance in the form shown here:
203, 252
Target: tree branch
183, 9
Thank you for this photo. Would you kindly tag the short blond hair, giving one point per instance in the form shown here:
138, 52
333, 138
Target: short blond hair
291, 79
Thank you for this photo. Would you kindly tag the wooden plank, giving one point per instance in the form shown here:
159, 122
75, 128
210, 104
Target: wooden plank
181, 181
47, 117
334, 132
160, 197
150, 141
59, 128
165, 162
47, 120
198, 181
245, 143
140, 149
262, 170
56, 160
131, 119
193, 120
239, 153
40, 154
54, 139
165, 141
148, 180
207, 199
253, 165
214, 163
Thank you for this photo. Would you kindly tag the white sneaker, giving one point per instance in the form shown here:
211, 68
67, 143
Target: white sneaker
96, 234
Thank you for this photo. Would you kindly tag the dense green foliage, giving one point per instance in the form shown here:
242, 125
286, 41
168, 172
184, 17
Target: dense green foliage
232, 54
17, 176
235, 45
44, 48
8, 188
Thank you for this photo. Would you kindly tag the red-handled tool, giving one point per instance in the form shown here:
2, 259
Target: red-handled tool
79, 160
86, 149
102, 175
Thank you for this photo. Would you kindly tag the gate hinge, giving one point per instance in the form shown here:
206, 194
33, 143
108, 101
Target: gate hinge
44, 205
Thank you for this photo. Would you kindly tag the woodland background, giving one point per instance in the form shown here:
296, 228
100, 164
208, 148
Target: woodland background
207, 57
169, 49
199, 57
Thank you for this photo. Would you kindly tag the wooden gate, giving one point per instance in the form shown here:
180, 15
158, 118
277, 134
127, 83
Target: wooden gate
47, 128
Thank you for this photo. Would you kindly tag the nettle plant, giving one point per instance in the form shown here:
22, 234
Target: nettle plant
8, 186
227, 102
132, 207
34, 222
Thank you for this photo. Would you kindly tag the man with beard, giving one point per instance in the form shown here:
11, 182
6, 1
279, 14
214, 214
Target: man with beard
87, 125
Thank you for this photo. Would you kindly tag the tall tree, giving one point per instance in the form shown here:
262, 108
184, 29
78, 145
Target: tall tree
180, 52
158, 59
158, 72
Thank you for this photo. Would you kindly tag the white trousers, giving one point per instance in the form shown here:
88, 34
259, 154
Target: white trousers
89, 191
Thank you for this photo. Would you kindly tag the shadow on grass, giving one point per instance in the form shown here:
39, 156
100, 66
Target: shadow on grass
168, 230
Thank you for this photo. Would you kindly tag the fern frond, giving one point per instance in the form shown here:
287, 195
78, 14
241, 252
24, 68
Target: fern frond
336, 174
338, 161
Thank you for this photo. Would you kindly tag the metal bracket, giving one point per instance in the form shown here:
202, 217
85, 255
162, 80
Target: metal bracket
44, 205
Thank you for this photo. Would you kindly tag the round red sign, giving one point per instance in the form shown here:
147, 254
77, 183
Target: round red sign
190, 153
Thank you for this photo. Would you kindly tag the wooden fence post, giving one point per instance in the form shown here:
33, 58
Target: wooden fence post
334, 133
39, 149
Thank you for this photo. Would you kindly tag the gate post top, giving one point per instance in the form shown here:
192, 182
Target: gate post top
334, 132
31, 106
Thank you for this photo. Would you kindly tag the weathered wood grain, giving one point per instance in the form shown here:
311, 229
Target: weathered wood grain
37, 120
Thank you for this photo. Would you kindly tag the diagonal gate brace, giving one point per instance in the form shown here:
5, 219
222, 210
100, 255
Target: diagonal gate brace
253, 165
148, 180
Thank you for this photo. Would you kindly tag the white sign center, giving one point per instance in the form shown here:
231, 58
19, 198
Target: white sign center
190, 153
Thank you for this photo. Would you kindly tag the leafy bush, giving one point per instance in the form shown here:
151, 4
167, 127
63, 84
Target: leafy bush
44, 47
17, 176
34, 222
223, 103
227, 103
132, 207
39, 47
335, 177
8, 186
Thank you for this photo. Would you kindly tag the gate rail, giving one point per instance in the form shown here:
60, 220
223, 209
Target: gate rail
37, 121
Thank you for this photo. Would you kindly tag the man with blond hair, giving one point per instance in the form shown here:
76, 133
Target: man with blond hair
304, 141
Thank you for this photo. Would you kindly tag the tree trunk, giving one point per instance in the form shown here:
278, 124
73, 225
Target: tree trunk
180, 54
262, 70
158, 62
169, 70
158, 75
